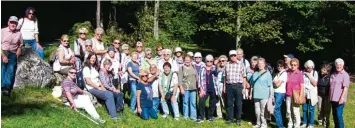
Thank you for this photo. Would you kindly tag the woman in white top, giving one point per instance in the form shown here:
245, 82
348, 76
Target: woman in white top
311, 92
65, 56
279, 91
98, 45
29, 30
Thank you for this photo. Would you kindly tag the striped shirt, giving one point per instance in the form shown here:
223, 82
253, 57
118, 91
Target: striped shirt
235, 72
69, 86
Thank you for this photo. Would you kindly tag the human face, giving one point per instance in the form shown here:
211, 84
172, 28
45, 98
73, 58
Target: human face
280, 68
65, 42
198, 59
166, 56
98, 36
134, 57
31, 14
82, 35
339, 67
223, 61
111, 54
167, 69
144, 77
92, 60
160, 51
209, 63
187, 61
178, 54
233, 58
148, 54
254, 63
261, 65
240, 55
12, 25
324, 71
294, 66
107, 67
116, 44
309, 69
139, 48
88, 47
126, 51
72, 73
153, 69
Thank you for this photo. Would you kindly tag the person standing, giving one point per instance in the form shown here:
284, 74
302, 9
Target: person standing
29, 30
279, 91
178, 56
323, 96
79, 48
148, 60
235, 77
98, 45
220, 84
139, 50
339, 86
133, 71
11, 43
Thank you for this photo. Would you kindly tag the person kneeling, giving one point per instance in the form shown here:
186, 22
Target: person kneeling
145, 97
74, 97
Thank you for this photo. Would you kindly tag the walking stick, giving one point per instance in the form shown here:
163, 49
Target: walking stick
87, 117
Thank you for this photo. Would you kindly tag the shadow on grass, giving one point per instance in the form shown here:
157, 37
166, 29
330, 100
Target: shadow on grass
15, 109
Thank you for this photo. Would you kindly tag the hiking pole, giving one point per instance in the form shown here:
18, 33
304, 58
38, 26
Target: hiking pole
87, 117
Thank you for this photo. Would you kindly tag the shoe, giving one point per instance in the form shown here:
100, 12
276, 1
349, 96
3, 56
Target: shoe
303, 126
229, 122
239, 122
101, 120
176, 118
199, 121
310, 127
256, 126
219, 117
116, 118
210, 120
290, 126
164, 116
320, 122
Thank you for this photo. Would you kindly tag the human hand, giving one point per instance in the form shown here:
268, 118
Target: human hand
5, 59
182, 92
139, 110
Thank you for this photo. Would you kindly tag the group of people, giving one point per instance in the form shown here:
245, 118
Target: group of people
155, 83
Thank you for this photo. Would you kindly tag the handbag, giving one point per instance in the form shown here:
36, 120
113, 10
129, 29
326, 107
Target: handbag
297, 97
169, 94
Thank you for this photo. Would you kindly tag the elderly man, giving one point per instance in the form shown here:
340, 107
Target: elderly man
148, 60
11, 43
167, 58
235, 77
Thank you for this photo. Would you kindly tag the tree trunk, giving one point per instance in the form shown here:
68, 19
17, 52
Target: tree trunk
156, 18
114, 14
238, 37
98, 14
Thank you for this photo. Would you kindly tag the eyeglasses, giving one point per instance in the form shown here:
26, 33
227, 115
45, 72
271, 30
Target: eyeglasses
116, 42
166, 54
87, 45
149, 53
294, 64
209, 61
139, 46
198, 57
233, 55
82, 33
72, 72
144, 75
65, 40
222, 61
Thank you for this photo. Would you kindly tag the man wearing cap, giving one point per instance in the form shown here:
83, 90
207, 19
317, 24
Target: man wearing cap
139, 50
148, 60
11, 43
234, 79
178, 57
288, 59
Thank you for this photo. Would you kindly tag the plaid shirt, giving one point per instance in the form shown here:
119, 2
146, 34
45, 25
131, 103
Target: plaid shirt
235, 72
202, 81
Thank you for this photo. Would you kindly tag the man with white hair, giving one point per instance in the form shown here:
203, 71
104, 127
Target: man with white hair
11, 43
207, 88
167, 58
339, 86
245, 61
148, 60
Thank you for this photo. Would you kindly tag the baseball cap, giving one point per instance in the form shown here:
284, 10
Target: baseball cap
289, 56
197, 54
232, 52
110, 49
190, 53
88, 42
209, 57
178, 49
13, 18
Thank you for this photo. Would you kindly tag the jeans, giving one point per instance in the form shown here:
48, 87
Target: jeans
293, 113
260, 105
174, 105
202, 105
33, 44
324, 110
190, 101
8, 69
234, 97
148, 112
156, 102
308, 107
338, 114
133, 84
279, 97
109, 100
83, 101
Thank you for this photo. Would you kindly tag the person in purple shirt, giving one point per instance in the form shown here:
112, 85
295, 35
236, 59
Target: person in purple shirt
339, 85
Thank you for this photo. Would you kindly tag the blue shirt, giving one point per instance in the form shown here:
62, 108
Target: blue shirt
261, 87
135, 68
146, 96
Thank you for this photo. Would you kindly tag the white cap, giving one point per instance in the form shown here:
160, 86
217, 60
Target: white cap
197, 54
178, 49
190, 53
232, 52
139, 43
13, 18
209, 57
339, 61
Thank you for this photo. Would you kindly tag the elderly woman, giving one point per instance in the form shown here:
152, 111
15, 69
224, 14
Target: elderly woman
74, 97
88, 49
294, 89
262, 90
145, 97
95, 86
139, 50
112, 56
323, 95
65, 56
220, 84
124, 77
98, 45
167, 58
187, 81
29, 30
107, 80
208, 88
79, 48
155, 86
159, 51
198, 64
148, 60
178, 56
168, 83
133, 71
339, 86
279, 91
310, 77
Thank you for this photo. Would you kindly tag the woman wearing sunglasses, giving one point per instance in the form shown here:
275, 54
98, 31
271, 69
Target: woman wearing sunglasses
79, 48
29, 30
65, 56
145, 97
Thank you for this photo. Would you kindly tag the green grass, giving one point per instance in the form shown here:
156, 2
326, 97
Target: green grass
34, 107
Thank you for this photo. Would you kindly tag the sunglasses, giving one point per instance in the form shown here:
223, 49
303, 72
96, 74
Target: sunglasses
139, 46
233, 55
116, 42
144, 75
198, 57
209, 61
222, 61
82, 33
87, 45
72, 72
65, 40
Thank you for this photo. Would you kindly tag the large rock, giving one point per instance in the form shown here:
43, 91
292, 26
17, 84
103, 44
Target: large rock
32, 70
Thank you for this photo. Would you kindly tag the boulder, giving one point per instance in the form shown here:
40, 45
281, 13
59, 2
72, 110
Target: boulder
32, 70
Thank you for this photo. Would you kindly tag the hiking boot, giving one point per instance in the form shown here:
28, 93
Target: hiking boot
303, 126
199, 121
229, 122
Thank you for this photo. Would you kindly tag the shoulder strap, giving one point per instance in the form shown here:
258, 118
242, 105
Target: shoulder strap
120, 60
171, 78
23, 21
258, 77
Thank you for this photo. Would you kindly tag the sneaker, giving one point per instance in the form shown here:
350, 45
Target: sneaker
320, 122
219, 117
239, 122
164, 116
290, 126
303, 126
256, 126
199, 121
116, 118
229, 122
310, 127
210, 120
176, 118
101, 120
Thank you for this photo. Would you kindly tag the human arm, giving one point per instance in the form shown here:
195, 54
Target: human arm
313, 79
139, 109
20, 43
71, 100
86, 75
62, 59
346, 83
180, 80
96, 51
130, 71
